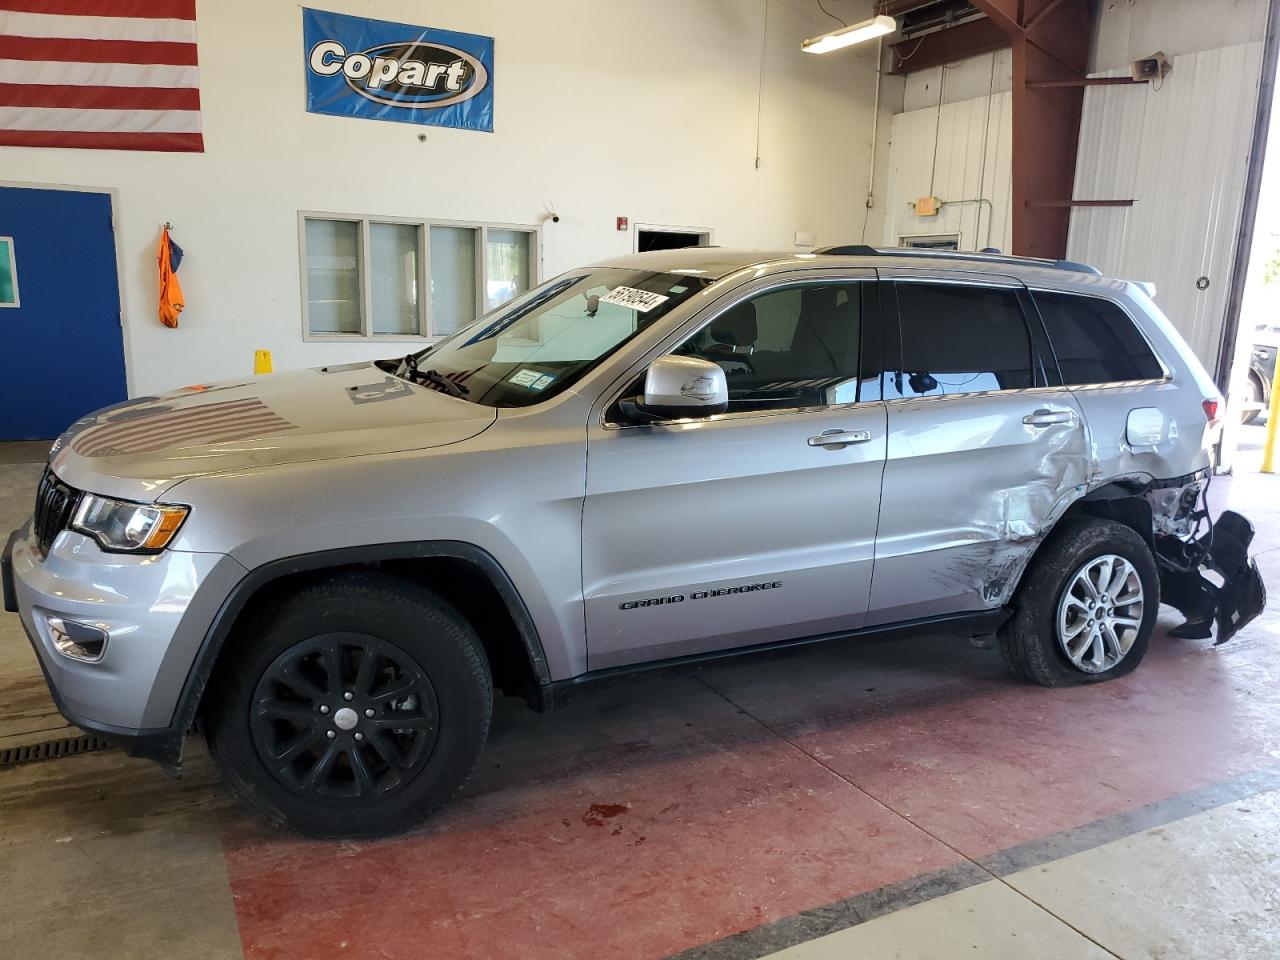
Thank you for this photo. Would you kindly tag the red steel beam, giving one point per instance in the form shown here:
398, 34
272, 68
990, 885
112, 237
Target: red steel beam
968, 39
1006, 14
1050, 40
1088, 82
1081, 203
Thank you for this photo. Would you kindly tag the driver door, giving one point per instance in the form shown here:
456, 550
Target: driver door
758, 524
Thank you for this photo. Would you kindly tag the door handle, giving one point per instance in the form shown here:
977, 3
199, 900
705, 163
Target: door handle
1045, 418
835, 439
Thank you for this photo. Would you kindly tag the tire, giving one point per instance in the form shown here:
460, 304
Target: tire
1030, 640
293, 746
1253, 394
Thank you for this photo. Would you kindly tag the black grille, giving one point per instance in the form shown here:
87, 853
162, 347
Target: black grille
55, 504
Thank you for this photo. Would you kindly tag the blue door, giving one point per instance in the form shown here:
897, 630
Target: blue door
61, 346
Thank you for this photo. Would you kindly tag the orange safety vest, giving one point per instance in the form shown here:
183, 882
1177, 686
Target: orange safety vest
171, 299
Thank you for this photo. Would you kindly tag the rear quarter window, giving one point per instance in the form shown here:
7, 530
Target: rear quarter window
1095, 341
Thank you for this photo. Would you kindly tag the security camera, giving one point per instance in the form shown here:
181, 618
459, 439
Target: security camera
1154, 67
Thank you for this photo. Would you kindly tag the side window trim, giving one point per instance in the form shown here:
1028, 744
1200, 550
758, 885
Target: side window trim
892, 325
872, 332
1046, 360
1167, 374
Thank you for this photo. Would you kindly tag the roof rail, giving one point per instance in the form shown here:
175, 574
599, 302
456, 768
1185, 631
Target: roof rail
924, 253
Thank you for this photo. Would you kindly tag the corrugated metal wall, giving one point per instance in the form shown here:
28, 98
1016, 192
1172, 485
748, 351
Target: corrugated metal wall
1180, 150
970, 171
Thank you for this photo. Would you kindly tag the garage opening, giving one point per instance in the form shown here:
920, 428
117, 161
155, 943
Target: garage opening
670, 238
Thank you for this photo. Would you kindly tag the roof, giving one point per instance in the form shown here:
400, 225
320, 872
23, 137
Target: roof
717, 262
710, 262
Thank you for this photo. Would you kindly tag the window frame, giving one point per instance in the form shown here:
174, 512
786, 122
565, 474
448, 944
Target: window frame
871, 347
426, 328
12, 263
1037, 340
1052, 355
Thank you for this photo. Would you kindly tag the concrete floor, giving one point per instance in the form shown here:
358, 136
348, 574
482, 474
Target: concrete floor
880, 799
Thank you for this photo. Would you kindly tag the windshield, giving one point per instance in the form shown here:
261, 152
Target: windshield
544, 342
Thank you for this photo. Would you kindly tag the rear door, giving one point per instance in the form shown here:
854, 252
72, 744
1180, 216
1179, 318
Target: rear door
61, 346
985, 448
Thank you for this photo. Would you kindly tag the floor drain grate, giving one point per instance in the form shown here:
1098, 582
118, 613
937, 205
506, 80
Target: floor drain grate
51, 750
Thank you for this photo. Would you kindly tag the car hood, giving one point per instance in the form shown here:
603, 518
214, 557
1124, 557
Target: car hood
138, 449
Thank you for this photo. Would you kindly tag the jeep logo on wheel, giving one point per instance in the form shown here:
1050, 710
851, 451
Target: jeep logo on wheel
410, 74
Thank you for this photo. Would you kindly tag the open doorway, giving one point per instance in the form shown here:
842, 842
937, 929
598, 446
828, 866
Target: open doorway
649, 237
1258, 330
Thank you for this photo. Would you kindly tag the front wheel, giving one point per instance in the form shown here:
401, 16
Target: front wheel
351, 708
1086, 608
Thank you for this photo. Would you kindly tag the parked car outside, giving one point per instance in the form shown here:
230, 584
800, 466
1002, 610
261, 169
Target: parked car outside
1262, 371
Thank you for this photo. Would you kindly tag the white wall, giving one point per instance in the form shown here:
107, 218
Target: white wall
970, 171
1129, 29
963, 80
1181, 152
604, 108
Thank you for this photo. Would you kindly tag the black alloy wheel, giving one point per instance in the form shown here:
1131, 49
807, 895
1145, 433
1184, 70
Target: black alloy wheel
352, 706
344, 716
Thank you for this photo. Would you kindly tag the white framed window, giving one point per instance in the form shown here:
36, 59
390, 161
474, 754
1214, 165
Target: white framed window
392, 278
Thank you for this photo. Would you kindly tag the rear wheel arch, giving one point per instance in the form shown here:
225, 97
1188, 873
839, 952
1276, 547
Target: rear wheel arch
1119, 501
465, 575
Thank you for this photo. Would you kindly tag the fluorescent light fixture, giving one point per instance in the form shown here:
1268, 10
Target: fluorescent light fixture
866, 30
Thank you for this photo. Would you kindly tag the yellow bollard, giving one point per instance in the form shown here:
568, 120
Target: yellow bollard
1273, 421
262, 361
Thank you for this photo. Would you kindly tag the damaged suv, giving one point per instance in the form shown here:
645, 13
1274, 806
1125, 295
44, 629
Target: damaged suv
662, 458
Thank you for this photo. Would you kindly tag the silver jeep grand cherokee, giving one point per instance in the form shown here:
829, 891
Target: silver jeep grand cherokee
662, 458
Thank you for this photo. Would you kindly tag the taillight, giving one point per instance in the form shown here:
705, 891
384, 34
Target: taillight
1211, 410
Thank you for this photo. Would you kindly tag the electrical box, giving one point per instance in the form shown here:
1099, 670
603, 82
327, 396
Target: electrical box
928, 206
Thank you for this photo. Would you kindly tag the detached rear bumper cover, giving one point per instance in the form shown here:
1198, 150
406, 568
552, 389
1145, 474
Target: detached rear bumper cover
1224, 550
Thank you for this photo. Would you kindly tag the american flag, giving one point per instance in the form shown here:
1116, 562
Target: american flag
106, 74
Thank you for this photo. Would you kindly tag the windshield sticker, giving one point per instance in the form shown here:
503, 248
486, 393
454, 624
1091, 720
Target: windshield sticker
525, 377
542, 382
634, 299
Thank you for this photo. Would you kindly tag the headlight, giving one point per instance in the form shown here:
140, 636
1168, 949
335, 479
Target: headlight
131, 527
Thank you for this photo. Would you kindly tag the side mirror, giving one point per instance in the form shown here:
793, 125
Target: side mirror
676, 387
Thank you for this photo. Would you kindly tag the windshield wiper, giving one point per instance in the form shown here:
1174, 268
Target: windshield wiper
437, 379
432, 378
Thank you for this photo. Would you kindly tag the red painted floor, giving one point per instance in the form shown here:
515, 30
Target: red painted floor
665, 824
660, 815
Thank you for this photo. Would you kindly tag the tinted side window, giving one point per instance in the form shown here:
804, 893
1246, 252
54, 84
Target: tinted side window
794, 347
1095, 341
960, 339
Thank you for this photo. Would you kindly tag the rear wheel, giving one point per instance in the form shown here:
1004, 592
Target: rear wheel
352, 708
1086, 608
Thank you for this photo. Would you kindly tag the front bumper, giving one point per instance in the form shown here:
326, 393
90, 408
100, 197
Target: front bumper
155, 611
